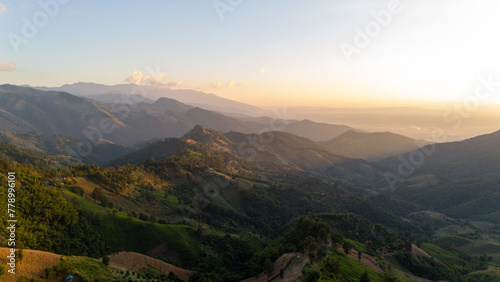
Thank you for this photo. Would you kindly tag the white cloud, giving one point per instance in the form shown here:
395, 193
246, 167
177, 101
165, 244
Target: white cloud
3, 8
218, 84
5, 67
174, 84
139, 78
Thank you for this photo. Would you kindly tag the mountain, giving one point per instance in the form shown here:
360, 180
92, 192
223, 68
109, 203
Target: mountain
9, 152
112, 98
163, 105
102, 151
218, 121
459, 179
24, 109
48, 112
478, 156
267, 151
316, 131
191, 97
312, 130
372, 146
207, 101
89, 88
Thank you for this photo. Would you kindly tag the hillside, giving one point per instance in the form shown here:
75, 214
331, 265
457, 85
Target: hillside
47, 112
457, 178
32, 264
372, 146
316, 131
135, 262
45, 266
163, 105
58, 113
11, 152
102, 151
268, 151
478, 156
227, 216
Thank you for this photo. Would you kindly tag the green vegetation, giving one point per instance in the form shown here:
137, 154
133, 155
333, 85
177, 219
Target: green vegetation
86, 269
150, 273
226, 218
338, 267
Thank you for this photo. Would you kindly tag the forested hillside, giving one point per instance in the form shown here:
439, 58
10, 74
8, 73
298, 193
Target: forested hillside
205, 208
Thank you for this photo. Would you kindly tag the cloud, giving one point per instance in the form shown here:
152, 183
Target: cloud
217, 84
3, 8
138, 78
174, 84
4, 67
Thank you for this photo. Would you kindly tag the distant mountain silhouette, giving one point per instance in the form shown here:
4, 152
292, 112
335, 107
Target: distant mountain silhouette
24, 109
372, 146
191, 97
472, 157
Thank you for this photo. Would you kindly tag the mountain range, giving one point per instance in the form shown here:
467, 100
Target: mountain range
24, 109
226, 194
190, 97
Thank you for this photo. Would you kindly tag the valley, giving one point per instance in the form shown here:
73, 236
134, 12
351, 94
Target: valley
179, 193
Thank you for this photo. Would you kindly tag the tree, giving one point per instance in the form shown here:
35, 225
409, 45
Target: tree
104, 201
390, 278
20, 255
364, 277
332, 265
347, 247
359, 256
143, 217
336, 238
369, 246
106, 260
97, 193
282, 273
200, 230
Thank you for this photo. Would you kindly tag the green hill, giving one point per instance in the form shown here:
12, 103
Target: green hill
102, 151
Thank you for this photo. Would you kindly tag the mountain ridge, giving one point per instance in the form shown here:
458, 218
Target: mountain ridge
372, 146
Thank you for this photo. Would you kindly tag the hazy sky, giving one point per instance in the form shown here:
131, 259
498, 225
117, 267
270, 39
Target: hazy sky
260, 52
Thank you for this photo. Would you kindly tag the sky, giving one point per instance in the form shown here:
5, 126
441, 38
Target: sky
354, 53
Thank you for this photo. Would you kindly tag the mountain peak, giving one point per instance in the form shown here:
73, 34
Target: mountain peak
199, 133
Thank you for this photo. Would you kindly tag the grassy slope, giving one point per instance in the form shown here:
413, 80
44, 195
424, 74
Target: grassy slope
351, 270
123, 233
443, 255
87, 268
34, 263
